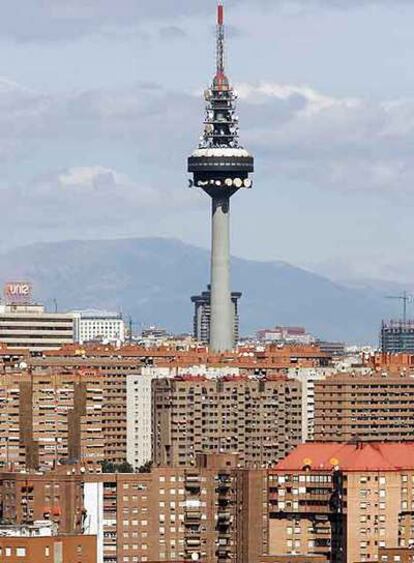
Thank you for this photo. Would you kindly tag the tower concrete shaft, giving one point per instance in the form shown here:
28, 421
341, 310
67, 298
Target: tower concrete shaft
220, 167
222, 315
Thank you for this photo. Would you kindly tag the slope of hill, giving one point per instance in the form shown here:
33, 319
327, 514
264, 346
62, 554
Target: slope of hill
153, 279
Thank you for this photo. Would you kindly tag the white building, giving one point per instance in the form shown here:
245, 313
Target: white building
32, 327
103, 326
308, 377
139, 413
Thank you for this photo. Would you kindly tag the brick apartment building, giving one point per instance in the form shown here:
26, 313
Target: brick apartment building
49, 417
342, 502
376, 407
28, 544
259, 418
213, 511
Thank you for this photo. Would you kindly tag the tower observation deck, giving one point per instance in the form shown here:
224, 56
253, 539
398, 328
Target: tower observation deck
220, 166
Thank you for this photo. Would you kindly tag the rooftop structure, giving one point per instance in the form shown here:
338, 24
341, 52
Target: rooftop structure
220, 166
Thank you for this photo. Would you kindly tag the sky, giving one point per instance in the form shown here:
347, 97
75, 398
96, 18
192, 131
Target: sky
101, 104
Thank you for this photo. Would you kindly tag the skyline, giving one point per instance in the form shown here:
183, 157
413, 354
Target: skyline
331, 128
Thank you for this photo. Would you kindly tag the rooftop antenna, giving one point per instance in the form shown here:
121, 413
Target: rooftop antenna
405, 298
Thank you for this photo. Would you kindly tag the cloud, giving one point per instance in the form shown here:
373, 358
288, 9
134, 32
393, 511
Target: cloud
346, 144
87, 201
57, 20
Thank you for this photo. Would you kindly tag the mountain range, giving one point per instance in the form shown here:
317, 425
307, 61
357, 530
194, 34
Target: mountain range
152, 280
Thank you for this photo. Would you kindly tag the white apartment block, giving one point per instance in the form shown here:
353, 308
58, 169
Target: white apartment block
307, 377
139, 413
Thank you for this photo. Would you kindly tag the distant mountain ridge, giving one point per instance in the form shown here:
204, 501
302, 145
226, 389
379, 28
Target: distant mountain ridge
152, 279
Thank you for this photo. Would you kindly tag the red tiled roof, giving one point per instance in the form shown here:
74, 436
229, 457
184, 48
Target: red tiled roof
372, 456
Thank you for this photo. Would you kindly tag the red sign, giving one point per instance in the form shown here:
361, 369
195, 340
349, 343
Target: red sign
18, 292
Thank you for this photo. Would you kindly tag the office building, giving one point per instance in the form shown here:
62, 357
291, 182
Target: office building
258, 418
202, 313
341, 502
99, 326
397, 336
364, 407
33, 328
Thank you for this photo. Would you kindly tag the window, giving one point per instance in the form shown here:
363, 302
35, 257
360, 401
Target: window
21, 552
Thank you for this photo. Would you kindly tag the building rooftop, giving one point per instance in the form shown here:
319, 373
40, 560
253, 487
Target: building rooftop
373, 456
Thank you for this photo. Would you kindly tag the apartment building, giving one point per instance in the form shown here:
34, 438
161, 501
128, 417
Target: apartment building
40, 542
50, 417
211, 512
55, 497
307, 378
342, 502
364, 407
31, 327
260, 419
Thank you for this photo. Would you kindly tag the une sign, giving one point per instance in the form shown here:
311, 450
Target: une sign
18, 292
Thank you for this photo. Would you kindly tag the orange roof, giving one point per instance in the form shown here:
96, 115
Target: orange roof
369, 456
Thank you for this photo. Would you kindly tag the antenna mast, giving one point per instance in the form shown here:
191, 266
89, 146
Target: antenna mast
220, 42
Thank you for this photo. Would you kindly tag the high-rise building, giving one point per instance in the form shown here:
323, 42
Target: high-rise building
397, 336
212, 511
32, 327
103, 326
50, 418
368, 407
220, 166
202, 315
341, 503
258, 418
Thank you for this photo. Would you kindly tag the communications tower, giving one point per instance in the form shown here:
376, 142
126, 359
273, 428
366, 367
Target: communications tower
220, 166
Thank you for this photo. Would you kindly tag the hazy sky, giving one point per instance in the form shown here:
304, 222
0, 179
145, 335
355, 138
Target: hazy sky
100, 104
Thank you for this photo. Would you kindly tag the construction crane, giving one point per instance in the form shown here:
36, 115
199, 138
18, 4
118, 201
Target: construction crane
405, 298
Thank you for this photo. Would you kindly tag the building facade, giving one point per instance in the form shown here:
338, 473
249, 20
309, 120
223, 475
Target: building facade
50, 418
32, 327
198, 513
397, 336
259, 418
364, 408
341, 502
99, 326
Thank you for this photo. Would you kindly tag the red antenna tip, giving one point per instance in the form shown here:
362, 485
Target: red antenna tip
220, 14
